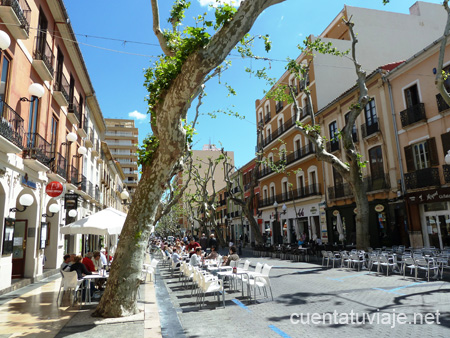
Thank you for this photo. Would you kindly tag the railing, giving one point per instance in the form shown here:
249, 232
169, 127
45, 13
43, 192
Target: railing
43, 52
441, 104
61, 166
73, 175
96, 145
83, 123
267, 117
304, 112
300, 153
37, 148
62, 85
83, 183
11, 125
339, 191
413, 114
74, 108
422, 178
377, 182
446, 169
91, 135
310, 190
97, 193
90, 189
355, 136
332, 146
279, 106
368, 130
22, 10
279, 131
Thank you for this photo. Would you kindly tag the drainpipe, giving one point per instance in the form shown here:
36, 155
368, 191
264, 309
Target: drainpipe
397, 143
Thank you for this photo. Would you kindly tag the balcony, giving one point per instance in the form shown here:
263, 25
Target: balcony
308, 191
37, 152
300, 153
73, 114
61, 90
74, 175
333, 146
278, 132
96, 148
340, 191
377, 183
305, 112
267, 117
90, 189
16, 14
89, 142
413, 114
279, 106
82, 129
97, 193
422, 178
441, 104
11, 130
83, 183
367, 130
59, 168
446, 169
43, 59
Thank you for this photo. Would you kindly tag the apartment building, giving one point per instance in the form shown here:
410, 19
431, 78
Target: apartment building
247, 173
422, 121
48, 107
122, 139
296, 200
235, 217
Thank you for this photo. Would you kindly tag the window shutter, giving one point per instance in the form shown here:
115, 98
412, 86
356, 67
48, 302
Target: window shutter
434, 159
445, 142
409, 156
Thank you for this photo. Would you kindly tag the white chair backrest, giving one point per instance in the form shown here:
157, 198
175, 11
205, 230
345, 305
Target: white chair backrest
258, 267
154, 263
70, 279
266, 270
234, 264
246, 264
409, 261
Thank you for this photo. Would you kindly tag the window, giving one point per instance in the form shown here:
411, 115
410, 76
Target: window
376, 163
354, 131
4, 79
272, 191
297, 147
59, 69
285, 190
412, 96
333, 131
71, 88
371, 113
301, 185
54, 135
338, 180
281, 125
42, 34
32, 121
269, 134
421, 155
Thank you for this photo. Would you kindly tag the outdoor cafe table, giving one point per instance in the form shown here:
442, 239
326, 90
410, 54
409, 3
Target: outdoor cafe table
88, 278
240, 272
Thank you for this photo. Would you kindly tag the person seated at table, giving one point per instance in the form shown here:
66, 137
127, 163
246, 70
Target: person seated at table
66, 263
231, 257
196, 257
96, 259
192, 246
79, 267
87, 261
176, 256
213, 254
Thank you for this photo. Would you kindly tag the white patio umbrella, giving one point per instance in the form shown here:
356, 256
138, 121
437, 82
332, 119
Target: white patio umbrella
339, 228
109, 221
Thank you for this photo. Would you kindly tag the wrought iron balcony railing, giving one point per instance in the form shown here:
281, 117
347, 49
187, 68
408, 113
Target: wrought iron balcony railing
441, 104
267, 117
11, 125
74, 108
368, 130
74, 177
279, 106
446, 169
61, 165
333, 146
90, 189
36, 147
307, 191
83, 183
44, 52
413, 114
22, 11
62, 85
422, 178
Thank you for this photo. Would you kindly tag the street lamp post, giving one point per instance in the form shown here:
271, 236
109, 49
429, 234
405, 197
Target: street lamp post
276, 227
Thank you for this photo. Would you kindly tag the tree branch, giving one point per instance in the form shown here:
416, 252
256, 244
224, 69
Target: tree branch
157, 29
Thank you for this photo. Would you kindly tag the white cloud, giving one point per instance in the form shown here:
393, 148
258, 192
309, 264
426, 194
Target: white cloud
215, 3
136, 115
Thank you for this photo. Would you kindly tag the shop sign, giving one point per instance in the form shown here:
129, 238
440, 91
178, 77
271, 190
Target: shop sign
429, 196
27, 183
355, 211
335, 213
313, 210
54, 189
379, 208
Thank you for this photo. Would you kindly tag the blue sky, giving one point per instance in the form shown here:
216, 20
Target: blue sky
117, 68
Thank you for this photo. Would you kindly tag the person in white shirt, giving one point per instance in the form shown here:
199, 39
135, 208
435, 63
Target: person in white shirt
103, 257
196, 257
66, 264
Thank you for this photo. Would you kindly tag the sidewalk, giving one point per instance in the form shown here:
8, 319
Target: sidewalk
32, 311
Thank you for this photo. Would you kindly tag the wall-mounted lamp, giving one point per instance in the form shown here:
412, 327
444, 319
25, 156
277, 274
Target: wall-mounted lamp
54, 208
5, 40
71, 137
124, 195
447, 158
35, 90
73, 213
81, 151
25, 200
284, 207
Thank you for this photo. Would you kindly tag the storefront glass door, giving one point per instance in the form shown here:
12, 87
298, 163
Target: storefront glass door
438, 227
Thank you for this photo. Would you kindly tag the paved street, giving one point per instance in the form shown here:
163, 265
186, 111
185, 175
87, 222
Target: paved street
302, 289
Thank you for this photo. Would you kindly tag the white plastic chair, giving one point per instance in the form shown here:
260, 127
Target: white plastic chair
409, 263
69, 281
210, 286
261, 282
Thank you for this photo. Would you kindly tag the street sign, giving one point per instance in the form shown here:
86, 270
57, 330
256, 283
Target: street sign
54, 189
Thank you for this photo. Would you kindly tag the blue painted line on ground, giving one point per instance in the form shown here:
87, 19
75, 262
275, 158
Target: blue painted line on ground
278, 331
238, 303
340, 279
399, 288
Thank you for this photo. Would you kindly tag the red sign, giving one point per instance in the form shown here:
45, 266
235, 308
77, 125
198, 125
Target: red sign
54, 189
